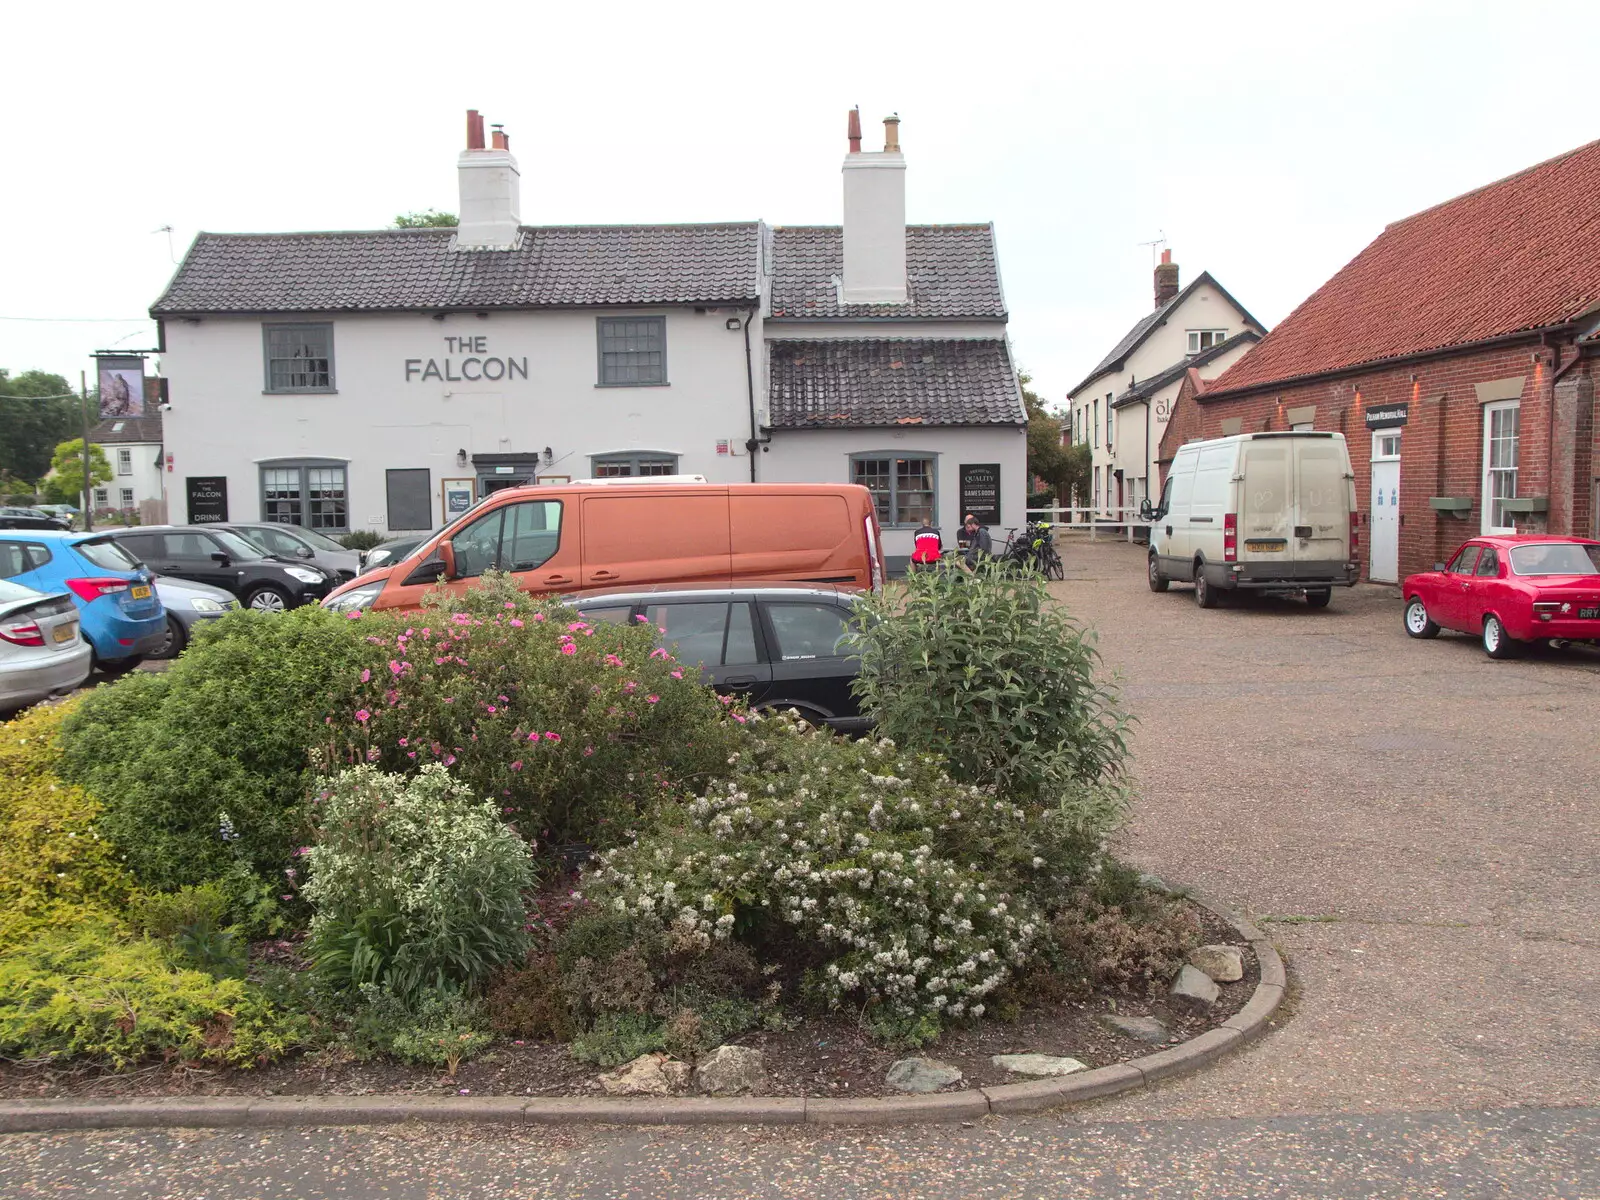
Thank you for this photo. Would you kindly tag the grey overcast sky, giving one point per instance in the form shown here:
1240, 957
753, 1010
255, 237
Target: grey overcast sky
1269, 143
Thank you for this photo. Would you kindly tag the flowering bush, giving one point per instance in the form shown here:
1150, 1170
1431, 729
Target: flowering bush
985, 670
908, 891
571, 727
416, 886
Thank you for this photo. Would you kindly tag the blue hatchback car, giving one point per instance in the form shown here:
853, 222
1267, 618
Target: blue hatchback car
121, 615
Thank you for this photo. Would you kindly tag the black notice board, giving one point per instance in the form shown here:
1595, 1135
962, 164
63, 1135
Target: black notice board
980, 492
208, 499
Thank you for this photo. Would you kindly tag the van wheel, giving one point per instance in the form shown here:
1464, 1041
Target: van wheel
1203, 595
1319, 597
1497, 643
1158, 581
1418, 623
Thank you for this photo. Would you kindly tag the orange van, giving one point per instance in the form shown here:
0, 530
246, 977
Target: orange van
624, 533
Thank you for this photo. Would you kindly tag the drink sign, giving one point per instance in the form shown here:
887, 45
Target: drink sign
208, 499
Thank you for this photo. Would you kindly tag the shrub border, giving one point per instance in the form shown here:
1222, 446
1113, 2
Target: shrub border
216, 1112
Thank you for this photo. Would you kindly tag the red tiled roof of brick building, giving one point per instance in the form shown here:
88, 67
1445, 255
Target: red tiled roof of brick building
1522, 253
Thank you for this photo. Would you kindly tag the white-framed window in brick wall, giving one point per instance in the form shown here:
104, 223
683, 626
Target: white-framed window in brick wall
633, 351
299, 356
1501, 433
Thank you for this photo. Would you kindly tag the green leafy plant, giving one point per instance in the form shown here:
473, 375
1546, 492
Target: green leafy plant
361, 539
619, 1037
415, 885
987, 671
193, 921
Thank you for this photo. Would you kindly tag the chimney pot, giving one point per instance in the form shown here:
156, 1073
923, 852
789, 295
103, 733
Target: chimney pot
474, 130
490, 211
853, 130
1166, 256
891, 134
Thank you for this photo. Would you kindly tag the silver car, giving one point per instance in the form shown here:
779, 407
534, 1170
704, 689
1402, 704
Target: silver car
188, 604
42, 652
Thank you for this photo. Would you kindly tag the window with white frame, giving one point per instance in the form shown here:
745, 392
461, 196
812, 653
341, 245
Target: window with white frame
124, 462
633, 351
1111, 415
623, 466
127, 497
1501, 428
299, 357
1097, 487
102, 497
1204, 339
1096, 423
904, 487
312, 493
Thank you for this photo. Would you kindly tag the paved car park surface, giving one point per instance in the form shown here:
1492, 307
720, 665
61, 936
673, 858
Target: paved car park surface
1414, 824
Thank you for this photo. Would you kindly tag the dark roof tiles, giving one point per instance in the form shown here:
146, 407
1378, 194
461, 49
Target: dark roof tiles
126, 429
952, 273
848, 383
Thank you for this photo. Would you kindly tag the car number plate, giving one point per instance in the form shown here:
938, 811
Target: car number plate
1265, 547
65, 633
139, 592
1592, 613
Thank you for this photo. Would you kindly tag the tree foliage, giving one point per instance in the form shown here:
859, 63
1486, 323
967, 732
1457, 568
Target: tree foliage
1047, 458
33, 418
65, 484
427, 218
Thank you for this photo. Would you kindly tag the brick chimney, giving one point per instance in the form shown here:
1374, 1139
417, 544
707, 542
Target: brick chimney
874, 218
491, 191
1166, 279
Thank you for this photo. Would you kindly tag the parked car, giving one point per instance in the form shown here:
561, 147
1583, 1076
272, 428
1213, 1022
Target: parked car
778, 646
630, 533
294, 542
189, 604
1510, 590
122, 617
394, 550
1265, 511
12, 517
206, 554
42, 652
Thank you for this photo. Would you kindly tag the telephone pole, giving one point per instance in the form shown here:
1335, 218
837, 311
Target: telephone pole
83, 419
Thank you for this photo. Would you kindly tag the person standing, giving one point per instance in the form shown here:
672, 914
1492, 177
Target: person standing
979, 544
927, 547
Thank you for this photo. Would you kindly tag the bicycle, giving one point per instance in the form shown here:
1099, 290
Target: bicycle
1034, 551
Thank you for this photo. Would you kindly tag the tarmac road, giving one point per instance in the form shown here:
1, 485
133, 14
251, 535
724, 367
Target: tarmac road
1413, 824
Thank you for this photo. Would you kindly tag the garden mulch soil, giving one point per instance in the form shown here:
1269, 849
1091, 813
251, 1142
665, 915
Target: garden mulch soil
830, 1056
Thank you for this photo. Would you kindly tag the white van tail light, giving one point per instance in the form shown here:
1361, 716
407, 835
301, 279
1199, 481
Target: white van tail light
1355, 537
872, 552
1230, 537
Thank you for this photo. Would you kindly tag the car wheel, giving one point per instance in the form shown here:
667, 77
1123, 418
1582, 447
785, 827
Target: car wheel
1158, 581
1497, 643
1203, 595
267, 598
1418, 623
118, 666
1319, 597
176, 640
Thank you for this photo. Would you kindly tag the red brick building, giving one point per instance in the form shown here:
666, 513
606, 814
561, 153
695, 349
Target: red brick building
1457, 354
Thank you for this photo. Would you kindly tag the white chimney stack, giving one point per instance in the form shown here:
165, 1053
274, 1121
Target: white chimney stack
491, 191
874, 219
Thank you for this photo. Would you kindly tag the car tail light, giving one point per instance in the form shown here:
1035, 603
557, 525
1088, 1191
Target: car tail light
23, 633
1546, 610
1355, 536
92, 589
1230, 537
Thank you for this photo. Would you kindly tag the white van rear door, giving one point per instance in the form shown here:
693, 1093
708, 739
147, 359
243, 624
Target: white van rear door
1323, 494
1266, 501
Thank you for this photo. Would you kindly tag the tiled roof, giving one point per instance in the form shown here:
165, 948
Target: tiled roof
952, 273
1519, 254
848, 383
1149, 387
114, 430
1149, 323
409, 269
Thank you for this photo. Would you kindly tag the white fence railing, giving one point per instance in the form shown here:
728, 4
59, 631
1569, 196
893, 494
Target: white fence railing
1114, 522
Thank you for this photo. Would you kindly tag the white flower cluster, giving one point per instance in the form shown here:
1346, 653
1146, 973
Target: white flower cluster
840, 841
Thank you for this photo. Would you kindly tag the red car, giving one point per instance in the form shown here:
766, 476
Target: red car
1509, 589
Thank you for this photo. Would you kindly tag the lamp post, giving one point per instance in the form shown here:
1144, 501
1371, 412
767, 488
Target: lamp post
83, 420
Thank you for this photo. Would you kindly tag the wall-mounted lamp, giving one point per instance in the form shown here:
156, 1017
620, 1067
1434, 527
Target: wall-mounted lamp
461, 458
549, 456
734, 323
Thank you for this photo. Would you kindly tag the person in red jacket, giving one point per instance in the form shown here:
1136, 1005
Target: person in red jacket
927, 547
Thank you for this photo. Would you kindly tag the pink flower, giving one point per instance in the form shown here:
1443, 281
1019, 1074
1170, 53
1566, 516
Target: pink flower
403, 742
658, 652
569, 648
365, 675
677, 674
738, 718
492, 709
587, 751
630, 686
449, 759
641, 617
372, 754
395, 666
517, 766
516, 624
363, 715
552, 737
613, 661
538, 616
534, 736
575, 626
392, 696
291, 897
302, 852
459, 619
726, 699
511, 603
353, 616
411, 754
651, 699
449, 699
502, 699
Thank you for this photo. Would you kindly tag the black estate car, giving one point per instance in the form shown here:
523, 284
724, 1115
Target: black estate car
778, 646
206, 554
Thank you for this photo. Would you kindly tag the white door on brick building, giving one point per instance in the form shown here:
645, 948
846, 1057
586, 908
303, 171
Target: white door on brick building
1384, 528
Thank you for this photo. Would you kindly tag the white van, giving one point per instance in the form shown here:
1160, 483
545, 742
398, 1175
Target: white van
1270, 511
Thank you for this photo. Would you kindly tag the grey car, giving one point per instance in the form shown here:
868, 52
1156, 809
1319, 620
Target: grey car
294, 541
42, 651
188, 604
390, 552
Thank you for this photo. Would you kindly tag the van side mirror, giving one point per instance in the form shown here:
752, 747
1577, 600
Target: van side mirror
1146, 512
447, 556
